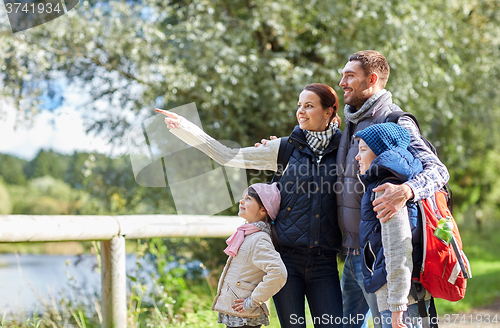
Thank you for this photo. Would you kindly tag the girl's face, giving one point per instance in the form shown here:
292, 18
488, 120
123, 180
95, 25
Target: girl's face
364, 157
250, 209
310, 114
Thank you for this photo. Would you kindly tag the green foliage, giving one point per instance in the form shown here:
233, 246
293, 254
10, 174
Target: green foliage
244, 62
5, 202
11, 169
169, 302
48, 196
93, 184
47, 163
481, 248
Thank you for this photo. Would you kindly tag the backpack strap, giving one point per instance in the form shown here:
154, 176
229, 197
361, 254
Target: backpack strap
394, 118
284, 153
433, 316
417, 291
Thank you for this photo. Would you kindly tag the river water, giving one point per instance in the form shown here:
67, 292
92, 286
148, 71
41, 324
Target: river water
27, 281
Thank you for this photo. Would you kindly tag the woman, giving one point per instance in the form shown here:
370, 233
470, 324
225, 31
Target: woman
306, 224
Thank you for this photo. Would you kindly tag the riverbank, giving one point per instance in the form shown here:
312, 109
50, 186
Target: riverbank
58, 248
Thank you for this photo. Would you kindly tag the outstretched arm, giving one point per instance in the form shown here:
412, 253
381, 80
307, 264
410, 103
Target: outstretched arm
257, 158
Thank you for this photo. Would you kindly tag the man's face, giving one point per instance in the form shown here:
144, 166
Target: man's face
355, 84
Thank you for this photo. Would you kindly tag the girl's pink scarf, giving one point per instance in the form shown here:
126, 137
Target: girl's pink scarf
234, 242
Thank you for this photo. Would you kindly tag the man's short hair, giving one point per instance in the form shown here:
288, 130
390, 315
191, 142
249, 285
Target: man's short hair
373, 62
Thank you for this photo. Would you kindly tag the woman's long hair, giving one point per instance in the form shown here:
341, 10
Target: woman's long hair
274, 236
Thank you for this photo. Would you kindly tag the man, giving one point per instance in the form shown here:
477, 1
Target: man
364, 78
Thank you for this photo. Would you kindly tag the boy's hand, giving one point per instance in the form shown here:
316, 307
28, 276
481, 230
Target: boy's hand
397, 320
238, 306
393, 199
172, 119
264, 141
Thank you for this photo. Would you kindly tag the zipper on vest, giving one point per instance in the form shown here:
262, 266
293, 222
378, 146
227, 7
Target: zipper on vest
232, 292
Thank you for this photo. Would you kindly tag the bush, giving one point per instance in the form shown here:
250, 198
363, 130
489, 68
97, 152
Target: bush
5, 202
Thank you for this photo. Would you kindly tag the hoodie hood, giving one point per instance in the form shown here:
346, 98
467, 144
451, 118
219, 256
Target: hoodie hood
397, 162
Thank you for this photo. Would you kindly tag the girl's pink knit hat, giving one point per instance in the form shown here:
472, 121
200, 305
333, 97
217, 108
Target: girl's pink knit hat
270, 196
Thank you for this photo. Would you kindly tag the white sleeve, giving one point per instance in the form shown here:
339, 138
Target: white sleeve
257, 158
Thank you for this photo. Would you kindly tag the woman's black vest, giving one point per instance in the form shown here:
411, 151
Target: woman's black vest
308, 216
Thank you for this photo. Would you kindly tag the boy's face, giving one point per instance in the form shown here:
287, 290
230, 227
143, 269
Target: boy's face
364, 157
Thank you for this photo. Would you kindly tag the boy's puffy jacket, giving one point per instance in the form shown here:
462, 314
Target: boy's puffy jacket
395, 166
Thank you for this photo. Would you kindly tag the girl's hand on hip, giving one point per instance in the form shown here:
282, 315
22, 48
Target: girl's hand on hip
172, 119
238, 306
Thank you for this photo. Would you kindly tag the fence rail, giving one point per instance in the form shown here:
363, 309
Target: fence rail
112, 232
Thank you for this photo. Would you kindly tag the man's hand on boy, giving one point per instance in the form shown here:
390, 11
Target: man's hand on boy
393, 199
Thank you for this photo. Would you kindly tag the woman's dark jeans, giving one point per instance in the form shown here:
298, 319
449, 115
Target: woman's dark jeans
312, 273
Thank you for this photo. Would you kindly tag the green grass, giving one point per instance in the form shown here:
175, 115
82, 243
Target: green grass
483, 250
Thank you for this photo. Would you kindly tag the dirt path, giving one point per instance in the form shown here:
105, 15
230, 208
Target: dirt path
473, 319
476, 318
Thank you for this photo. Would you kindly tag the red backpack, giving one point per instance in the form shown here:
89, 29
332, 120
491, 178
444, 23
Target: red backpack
445, 268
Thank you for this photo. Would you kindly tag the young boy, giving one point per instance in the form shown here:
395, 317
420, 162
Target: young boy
387, 247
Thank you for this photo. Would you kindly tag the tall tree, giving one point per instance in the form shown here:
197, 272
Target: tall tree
11, 169
245, 62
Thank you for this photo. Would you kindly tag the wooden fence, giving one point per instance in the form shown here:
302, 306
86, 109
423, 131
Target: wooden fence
112, 232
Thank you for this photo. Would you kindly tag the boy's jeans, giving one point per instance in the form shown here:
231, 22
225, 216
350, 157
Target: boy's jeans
356, 301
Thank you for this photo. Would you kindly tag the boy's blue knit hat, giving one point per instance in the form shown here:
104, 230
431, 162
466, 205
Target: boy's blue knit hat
384, 136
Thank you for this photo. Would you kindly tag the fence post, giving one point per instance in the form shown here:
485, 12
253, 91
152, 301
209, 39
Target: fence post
113, 283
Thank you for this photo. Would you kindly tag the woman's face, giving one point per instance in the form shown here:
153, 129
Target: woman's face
250, 210
310, 114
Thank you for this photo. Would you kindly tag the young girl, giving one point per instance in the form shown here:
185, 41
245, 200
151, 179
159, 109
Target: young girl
254, 271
